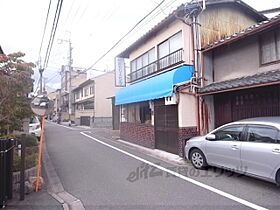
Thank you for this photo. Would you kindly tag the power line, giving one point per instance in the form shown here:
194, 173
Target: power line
53, 32
143, 23
125, 35
54, 76
69, 11
37, 86
154, 16
46, 21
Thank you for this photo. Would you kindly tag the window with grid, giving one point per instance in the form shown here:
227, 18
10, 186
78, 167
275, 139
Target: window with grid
143, 60
270, 46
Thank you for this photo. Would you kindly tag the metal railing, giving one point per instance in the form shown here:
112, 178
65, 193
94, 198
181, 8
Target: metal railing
6, 163
165, 62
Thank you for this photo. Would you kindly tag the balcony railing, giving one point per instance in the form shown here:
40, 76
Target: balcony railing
165, 62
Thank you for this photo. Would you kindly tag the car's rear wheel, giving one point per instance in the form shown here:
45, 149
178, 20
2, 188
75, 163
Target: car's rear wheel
198, 159
278, 177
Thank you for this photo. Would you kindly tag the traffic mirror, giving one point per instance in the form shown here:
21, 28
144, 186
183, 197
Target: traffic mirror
42, 105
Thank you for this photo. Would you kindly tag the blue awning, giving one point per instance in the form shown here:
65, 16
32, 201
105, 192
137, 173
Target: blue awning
156, 87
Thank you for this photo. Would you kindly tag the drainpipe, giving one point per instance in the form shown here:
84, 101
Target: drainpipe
196, 64
196, 45
197, 56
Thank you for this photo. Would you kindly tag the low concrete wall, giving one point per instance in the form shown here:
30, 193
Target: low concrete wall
16, 176
102, 122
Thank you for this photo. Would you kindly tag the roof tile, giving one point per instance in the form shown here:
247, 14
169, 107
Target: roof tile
247, 81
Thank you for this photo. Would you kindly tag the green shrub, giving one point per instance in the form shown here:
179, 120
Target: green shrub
31, 140
16, 163
31, 153
30, 160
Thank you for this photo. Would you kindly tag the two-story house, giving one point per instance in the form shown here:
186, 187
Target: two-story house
242, 73
92, 101
84, 103
159, 108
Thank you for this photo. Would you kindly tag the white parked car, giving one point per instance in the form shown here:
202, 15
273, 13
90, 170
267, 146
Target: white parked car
250, 146
35, 126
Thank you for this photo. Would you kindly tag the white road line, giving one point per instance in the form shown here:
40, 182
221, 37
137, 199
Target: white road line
207, 187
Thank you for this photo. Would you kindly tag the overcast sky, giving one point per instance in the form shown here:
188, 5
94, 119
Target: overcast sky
94, 25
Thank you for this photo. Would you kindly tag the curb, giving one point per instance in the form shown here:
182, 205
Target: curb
158, 154
162, 155
55, 188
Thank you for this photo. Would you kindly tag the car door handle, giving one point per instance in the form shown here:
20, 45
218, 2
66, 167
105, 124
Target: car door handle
276, 150
234, 147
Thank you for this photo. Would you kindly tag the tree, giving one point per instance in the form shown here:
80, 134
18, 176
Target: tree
15, 85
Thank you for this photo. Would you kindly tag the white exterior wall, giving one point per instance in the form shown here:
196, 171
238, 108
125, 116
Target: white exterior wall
81, 112
82, 89
187, 110
104, 89
84, 113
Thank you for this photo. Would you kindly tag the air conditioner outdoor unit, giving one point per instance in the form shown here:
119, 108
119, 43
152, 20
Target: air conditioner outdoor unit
171, 100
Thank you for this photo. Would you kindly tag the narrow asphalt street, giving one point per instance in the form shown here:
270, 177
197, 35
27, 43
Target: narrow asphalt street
106, 174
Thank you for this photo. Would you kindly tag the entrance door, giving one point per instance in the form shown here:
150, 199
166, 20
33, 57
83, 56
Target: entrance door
115, 115
166, 126
85, 120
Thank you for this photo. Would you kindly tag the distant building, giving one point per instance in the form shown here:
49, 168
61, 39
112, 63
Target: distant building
77, 77
93, 101
84, 103
105, 90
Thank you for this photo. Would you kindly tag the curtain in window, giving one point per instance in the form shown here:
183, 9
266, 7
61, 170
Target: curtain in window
278, 44
163, 49
175, 42
268, 48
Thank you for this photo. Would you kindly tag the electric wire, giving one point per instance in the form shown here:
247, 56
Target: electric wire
151, 18
44, 31
70, 10
37, 86
101, 57
53, 32
129, 33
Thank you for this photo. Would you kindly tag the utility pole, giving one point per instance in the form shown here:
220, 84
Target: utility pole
41, 70
70, 81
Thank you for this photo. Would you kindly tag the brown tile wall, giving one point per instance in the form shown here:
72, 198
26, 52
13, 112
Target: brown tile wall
141, 134
144, 135
184, 134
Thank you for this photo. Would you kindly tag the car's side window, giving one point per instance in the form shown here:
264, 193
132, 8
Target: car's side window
232, 133
262, 134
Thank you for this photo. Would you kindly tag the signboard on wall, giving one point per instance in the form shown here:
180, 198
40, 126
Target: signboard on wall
120, 74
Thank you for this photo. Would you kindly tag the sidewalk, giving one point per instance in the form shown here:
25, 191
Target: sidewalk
159, 154
107, 133
40, 200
